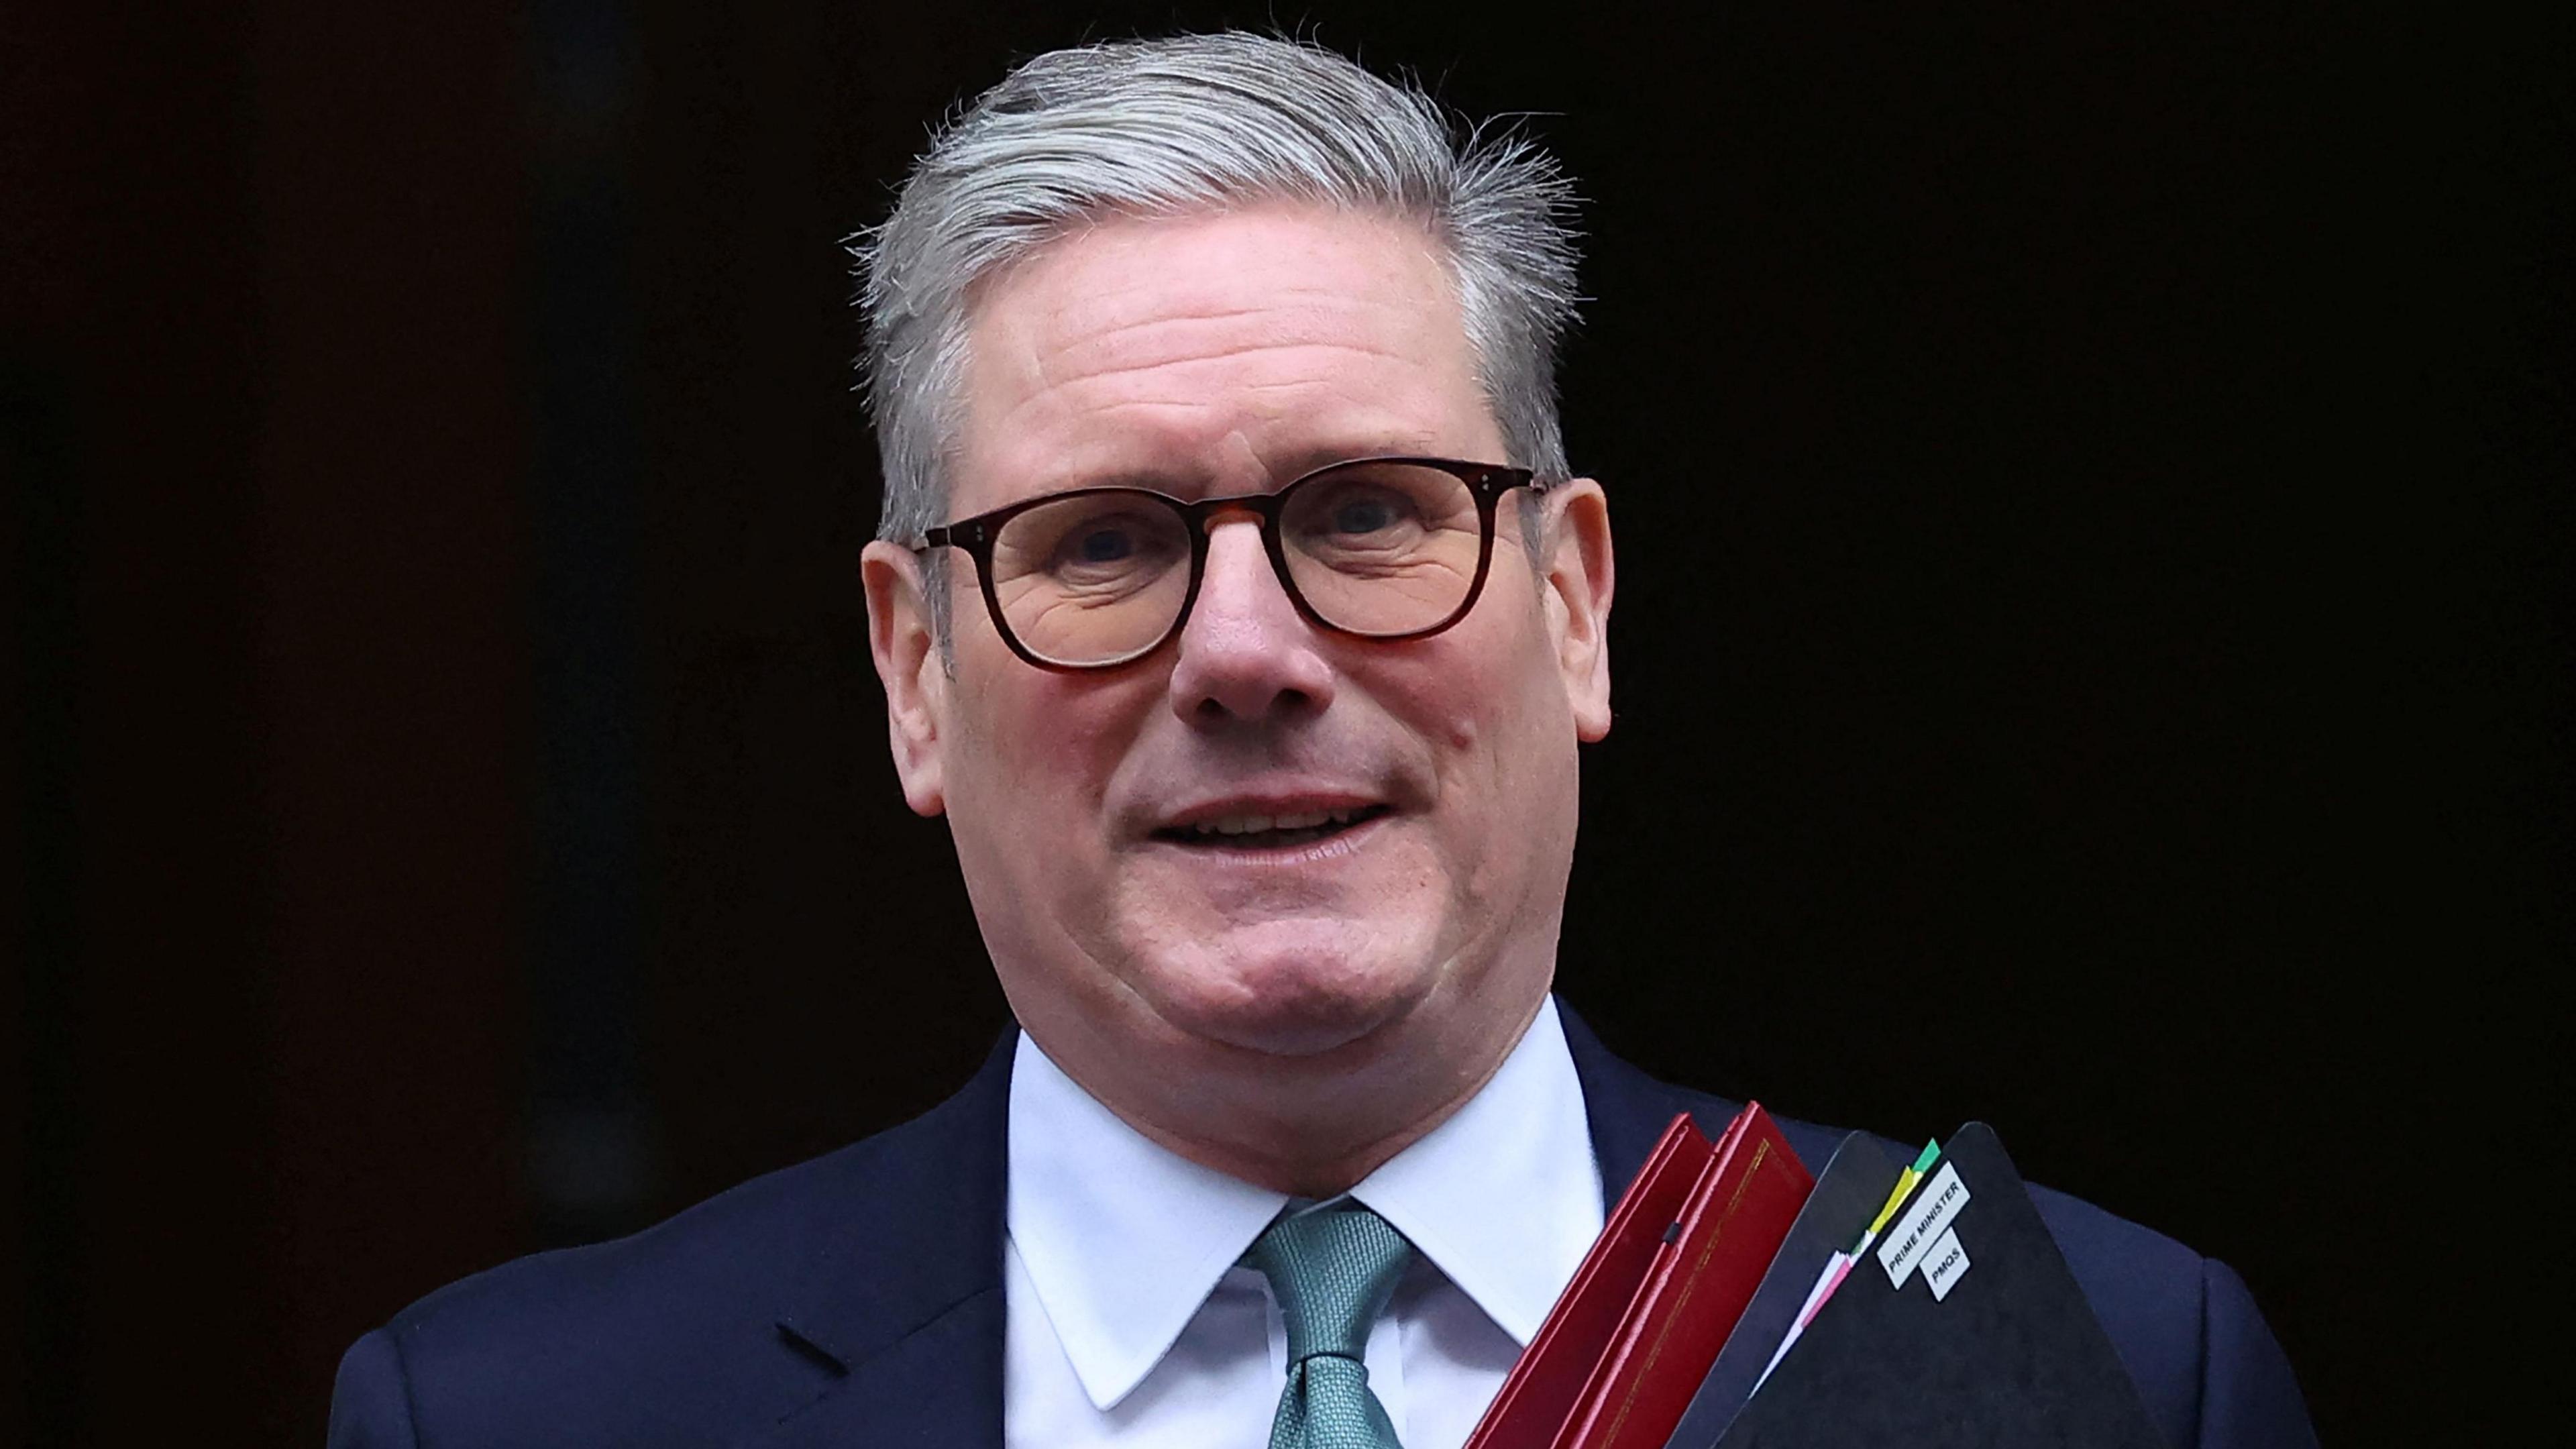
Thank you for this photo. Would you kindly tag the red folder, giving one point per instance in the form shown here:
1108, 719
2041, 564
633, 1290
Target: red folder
1629, 1340
1540, 1394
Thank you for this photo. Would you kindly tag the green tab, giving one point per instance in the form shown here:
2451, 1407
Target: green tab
1931, 1154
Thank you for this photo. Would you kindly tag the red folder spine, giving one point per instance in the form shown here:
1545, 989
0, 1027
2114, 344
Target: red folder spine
1726, 1234
1547, 1382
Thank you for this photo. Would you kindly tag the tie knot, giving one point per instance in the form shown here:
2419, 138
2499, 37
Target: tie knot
1332, 1272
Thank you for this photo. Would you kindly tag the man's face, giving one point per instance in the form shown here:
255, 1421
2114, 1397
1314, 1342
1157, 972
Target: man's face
1229, 355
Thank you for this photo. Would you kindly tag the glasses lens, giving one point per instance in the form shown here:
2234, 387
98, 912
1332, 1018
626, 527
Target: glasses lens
1383, 548
1093, 578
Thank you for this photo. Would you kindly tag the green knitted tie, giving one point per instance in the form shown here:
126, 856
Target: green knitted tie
1332, 1273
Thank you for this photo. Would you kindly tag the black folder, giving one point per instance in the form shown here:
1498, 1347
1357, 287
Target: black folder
2008, 1355
1848, 1193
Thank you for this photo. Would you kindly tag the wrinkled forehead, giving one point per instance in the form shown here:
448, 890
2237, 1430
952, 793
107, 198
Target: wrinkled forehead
1232, 344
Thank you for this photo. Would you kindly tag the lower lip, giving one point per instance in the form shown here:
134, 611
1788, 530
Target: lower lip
1336, 846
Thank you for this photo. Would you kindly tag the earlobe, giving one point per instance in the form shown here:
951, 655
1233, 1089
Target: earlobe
906, 651
1582, 576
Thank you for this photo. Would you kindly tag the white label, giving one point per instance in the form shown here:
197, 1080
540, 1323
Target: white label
1944, 1263
1927, 1218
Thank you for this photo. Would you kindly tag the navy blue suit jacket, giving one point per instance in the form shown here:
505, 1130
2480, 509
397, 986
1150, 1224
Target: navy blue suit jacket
856, 1300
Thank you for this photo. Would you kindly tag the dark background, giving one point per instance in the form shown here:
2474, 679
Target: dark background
2091, 494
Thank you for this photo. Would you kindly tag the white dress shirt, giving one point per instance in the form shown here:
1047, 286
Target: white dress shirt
1130, 1322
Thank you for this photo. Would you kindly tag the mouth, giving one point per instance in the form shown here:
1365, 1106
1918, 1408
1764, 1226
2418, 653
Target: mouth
1254, 833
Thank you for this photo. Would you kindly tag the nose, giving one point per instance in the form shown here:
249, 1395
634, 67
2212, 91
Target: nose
1246, 654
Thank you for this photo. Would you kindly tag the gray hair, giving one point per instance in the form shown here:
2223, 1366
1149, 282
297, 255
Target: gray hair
1188, 125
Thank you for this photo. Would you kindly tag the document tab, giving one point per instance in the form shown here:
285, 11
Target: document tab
1925, 1219
1943, 1263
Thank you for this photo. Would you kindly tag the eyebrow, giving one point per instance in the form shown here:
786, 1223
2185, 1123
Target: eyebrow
1194, 483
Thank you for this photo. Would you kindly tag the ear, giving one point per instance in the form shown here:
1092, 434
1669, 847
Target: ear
909, 664
1581, 575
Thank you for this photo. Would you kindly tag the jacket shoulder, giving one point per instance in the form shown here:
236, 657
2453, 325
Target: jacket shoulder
2204, 1360
639, 1338
686, 1330
724, 1248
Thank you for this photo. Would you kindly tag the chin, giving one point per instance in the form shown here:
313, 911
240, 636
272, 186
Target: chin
1288, 992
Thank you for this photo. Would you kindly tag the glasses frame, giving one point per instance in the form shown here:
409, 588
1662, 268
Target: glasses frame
1486, 482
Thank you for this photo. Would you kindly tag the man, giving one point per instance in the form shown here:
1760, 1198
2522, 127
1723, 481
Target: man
1236, 607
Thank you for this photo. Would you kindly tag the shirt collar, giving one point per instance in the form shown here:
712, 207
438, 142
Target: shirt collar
1124, 1239
1522, 1144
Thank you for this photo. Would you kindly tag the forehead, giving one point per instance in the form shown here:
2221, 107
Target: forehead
1212, 352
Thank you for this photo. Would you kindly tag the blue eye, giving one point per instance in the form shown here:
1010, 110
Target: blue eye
1363, 515
1105, 545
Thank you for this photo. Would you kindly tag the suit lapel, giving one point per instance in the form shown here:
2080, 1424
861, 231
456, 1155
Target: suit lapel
940, 1384
909, 1307
1627, 1109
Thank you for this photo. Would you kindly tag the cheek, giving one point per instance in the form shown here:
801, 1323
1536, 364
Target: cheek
1514, 706
1035, 752
1494, 720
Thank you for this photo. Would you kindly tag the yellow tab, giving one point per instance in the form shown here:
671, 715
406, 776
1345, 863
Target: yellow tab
1904, 1184
1905, 1181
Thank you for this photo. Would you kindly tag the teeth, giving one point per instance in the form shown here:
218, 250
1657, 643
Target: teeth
1255, 824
